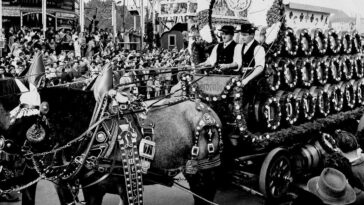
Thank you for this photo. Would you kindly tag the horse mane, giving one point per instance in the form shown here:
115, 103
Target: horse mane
70, 111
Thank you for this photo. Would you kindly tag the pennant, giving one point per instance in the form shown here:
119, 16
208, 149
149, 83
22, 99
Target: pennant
36, 70
103, 83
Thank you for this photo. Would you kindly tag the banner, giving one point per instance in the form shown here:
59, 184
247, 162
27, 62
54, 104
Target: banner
172, 8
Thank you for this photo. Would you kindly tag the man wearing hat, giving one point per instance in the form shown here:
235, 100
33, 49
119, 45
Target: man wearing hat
226, 55
253, 61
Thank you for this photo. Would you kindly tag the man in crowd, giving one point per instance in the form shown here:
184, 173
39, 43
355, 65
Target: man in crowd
225, 55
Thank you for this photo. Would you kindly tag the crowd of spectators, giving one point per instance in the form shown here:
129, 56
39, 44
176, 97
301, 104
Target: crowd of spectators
69, 55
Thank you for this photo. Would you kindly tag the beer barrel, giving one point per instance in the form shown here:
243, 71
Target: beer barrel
290, 46
306, 103
335, 73
346, 68
334, 44
335, 96
322, 101
346, 43
358, 66
268, 113
304, 42
289, 72
356, 43
319, 42
347, 89
359, 91
312, 156
321, 70
305, 71
289, 107
273, 76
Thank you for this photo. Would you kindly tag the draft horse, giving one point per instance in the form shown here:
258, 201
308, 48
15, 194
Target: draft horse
178, 128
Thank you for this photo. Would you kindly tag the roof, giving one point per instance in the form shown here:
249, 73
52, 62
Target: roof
340, 16
306, 7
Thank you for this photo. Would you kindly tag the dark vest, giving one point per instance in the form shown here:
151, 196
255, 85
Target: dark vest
249, 55
225, 56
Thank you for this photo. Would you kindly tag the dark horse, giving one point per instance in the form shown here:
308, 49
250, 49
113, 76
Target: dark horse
69, 116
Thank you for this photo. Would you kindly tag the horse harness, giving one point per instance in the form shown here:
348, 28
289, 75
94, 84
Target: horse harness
115, 129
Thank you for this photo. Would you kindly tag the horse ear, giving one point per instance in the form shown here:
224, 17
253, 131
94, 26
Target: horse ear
104, 82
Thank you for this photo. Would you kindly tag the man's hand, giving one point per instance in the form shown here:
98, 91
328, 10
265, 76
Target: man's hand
224, 66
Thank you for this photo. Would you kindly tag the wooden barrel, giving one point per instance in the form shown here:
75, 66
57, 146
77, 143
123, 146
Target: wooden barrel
307, 103
268, 113
289, 73
334, 44
358, 66
359, 91
305, 71
289, 107
346, 42
312, 156
335, 73
322, 101
290, 46
304, 42
335, 96
347, 88
319, 42
346, 68
356, 43
273, 76
321, 70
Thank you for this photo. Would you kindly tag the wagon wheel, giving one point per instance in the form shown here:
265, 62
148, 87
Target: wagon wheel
275, 174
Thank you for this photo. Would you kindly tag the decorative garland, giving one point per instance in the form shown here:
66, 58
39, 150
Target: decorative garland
321, 70
305, 71
346, 43
346, 68
359, 91
356, 43
306, 103
319, 42
273, 76
358, 66
276, 14
289, 107
349, 95
322, 101
305, 42
334, 42
335, 70
263, 113
290, 43
335, 96
289, 72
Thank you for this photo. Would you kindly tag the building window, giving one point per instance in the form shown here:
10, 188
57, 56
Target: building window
172, 41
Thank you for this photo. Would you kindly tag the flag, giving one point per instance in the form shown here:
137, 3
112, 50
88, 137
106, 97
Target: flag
36, 70
103, 83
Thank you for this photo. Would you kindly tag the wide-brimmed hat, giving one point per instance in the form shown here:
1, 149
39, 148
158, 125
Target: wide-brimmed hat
227, 29
332, 187
246, 28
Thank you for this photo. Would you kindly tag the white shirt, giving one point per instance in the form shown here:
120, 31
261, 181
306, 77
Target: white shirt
259, 53
237, 55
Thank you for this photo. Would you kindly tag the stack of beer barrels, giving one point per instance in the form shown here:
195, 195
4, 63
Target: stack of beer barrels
316, 73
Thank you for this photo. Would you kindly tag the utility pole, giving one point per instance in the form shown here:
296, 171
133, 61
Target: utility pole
44, 16
142, 23
2, 39
82, 16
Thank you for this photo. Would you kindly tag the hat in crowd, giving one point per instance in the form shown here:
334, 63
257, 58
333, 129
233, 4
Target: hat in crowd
346, 141
332, 187
246, 28
228, 29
